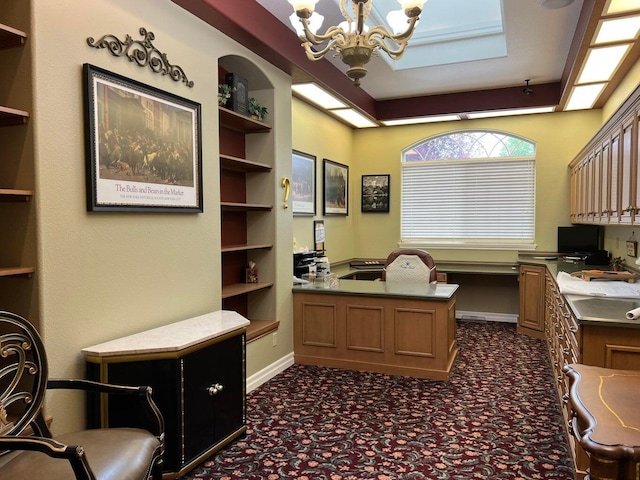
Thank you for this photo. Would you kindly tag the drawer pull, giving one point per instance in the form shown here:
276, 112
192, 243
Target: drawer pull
573, 329
215, 389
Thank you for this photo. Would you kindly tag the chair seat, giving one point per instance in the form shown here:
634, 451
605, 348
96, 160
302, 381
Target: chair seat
114, 454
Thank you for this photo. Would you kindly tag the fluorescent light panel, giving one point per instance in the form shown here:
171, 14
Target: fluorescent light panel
584, 96
354, 118
413, 121
618, 6
317, 95
618, 30
601, 63
506, 113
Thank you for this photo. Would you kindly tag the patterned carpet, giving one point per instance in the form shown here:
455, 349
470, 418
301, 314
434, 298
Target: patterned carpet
497, 418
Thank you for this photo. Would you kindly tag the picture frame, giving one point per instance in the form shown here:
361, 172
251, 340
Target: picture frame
375, 193
303, 183
143, 146
335, 188
632, 248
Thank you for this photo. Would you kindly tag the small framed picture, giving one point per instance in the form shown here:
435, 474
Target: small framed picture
375, 193
335, 192
632, 248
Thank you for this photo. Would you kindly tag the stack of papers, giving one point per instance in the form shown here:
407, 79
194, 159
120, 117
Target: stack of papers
576, 286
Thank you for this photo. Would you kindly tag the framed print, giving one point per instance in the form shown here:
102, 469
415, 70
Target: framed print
303, 183
335, 191
143, 146
375, 193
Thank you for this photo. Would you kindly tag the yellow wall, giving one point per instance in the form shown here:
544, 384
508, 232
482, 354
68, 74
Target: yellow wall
105, 275
317, 134
558, 138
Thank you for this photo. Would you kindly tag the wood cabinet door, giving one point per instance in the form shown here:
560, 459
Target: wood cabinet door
532, 292
214, 394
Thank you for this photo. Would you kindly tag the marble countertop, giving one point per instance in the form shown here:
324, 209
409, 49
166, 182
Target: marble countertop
173, 337
429, 291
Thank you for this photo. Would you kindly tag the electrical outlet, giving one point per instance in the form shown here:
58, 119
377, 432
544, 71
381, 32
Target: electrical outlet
274, 339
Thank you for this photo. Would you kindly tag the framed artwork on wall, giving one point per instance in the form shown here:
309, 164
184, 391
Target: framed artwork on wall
335, 190
375, 193
143, 146
303, 183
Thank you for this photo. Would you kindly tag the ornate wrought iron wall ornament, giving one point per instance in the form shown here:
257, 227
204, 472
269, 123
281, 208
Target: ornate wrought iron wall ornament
143, 53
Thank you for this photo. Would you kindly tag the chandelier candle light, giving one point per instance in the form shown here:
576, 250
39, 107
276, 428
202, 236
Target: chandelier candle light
352, 40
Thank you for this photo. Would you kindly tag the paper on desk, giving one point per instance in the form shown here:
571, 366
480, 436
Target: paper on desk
633, 314
576, 286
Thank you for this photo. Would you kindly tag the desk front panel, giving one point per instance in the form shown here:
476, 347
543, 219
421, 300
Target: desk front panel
387, 335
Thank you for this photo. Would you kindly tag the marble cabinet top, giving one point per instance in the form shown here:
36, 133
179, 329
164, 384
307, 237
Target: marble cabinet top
173, 337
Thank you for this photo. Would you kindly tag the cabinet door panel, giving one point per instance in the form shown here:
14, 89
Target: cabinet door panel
164, 377
211, 413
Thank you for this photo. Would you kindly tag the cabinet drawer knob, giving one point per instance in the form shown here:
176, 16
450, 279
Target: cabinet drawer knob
215, 389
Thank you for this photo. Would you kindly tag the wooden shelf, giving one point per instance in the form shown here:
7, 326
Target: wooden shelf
242, 288
241, 123
229, 162
245, 247
10, 195
259, 328
245, 207
11, 37
11, 116
25, 272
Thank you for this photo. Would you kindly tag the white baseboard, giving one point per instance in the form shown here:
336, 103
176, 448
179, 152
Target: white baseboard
270, 371
486, 316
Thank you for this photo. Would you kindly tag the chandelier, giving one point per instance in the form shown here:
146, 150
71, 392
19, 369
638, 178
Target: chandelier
352, 40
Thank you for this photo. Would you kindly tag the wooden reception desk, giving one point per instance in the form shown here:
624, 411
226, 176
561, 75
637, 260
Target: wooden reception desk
393, 328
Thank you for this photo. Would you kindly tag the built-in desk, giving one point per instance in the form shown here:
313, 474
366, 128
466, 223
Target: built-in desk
385, 327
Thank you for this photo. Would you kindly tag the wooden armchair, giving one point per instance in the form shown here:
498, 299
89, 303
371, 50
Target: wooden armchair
99, 454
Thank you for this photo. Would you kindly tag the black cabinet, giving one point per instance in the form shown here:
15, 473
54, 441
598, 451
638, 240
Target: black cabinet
200, 391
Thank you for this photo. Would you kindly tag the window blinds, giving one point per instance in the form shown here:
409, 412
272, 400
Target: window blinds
476, 202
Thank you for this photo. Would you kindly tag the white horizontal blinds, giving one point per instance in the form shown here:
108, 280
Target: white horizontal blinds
481, 201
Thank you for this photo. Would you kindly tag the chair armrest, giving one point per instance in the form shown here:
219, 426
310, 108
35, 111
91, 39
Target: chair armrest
91, 386
73, 453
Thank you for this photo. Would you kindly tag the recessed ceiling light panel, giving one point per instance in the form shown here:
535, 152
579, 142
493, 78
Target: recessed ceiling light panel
601, 63
354, 118
584, 97
317, 95
618, 30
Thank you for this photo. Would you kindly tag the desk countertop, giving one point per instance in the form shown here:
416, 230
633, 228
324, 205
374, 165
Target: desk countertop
590, 310
431, 291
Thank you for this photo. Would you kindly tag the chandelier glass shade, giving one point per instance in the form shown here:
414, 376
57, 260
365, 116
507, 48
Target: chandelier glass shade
352, 40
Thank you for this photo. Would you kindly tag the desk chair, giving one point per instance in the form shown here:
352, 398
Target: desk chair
410, 265
100, 454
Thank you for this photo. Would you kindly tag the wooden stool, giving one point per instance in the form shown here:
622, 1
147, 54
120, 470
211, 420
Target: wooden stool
606, 419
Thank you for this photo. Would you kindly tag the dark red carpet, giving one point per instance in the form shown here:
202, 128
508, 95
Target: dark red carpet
497, 418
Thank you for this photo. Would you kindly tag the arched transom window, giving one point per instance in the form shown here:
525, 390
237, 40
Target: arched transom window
469, 189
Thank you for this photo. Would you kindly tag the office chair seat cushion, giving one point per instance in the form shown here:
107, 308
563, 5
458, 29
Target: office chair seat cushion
109, 452
408, 268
